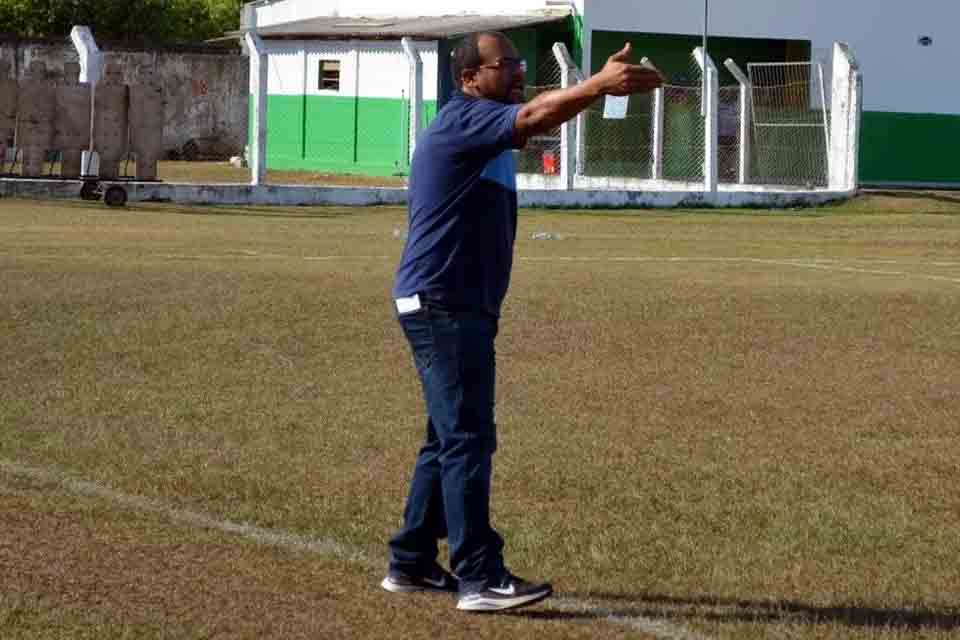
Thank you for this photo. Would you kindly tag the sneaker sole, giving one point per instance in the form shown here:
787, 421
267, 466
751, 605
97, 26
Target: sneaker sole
393, 587
502, 604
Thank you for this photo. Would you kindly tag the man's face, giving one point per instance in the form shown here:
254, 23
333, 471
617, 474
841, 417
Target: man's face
501, 76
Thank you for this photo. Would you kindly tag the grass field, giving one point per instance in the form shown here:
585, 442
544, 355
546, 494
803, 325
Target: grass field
712, 424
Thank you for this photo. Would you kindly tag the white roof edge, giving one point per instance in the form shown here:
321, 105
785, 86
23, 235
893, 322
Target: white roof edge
418, 26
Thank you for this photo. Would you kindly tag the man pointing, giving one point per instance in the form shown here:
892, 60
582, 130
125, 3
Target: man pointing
451, 283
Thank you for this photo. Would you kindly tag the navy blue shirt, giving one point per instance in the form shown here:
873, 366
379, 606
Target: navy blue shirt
462, 207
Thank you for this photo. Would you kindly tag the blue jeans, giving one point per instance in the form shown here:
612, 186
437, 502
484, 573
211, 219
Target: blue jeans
450, 493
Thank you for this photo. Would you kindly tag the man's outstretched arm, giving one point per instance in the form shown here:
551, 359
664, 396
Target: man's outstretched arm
551, 109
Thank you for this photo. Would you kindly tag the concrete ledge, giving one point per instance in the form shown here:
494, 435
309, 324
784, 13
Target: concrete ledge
298, 195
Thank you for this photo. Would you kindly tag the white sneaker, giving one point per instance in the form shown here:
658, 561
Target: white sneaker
512, 592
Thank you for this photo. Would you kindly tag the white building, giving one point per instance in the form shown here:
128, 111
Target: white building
339, 88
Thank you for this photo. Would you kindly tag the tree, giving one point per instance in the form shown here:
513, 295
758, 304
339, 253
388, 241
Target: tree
122, 20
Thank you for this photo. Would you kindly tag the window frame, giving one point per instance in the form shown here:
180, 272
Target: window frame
323, 79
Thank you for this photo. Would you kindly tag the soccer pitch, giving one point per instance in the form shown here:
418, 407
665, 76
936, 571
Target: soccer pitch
712, 424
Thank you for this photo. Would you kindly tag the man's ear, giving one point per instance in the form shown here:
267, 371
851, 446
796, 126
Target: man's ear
468, 77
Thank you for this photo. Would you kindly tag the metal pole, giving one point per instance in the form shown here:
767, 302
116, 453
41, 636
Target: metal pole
706, 30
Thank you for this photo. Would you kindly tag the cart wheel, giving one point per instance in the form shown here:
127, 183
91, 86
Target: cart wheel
90, 190
115, 196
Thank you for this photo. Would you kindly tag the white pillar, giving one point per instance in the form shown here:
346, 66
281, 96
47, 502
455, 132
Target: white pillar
587, 70
711, 119
659, 119
845, 114
569, 76
91, 68
258, 90
416, 92
746, 109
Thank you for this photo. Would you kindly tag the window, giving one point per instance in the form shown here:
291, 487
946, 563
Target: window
329, 75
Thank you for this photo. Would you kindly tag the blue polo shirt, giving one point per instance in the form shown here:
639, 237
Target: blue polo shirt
462, 208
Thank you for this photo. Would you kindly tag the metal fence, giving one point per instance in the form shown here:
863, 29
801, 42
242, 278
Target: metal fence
770, 129
683, 133
730, 111
542, 153
619, 147
790, 124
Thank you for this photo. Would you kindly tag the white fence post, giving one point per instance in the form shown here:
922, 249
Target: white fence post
91, 67
845, 117
743, 162
416, 92
659, 119
711, 120
258, 89
569, 76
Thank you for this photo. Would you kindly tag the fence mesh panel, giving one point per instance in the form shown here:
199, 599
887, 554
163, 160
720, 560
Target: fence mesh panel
619, 148
684, 127
790, 128
683, 134
728, 131
542, 153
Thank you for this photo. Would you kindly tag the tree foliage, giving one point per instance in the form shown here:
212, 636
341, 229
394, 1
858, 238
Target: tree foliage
122, 20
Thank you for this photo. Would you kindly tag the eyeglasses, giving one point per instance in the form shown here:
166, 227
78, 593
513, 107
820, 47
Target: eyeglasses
509, 64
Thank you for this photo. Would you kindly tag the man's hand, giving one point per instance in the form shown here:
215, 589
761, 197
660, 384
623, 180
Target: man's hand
551, 109
620, 78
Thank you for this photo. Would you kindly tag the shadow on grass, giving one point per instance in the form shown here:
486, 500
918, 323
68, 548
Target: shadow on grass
549, 615
660, 606
278, 212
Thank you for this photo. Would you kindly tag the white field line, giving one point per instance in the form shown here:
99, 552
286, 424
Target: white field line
651, 626
822, 264
274, 538
660, 629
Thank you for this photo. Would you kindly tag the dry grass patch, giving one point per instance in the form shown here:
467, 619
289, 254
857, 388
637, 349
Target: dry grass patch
739, 424
222, 172
82, 568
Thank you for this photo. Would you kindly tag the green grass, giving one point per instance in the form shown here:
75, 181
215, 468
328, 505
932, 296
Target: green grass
741, 423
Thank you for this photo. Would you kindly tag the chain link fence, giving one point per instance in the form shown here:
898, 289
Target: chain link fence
621, 148
782, 120
790, 129
730, 111
542, 154
684, 128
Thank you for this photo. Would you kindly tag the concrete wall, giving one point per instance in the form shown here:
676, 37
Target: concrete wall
206, 92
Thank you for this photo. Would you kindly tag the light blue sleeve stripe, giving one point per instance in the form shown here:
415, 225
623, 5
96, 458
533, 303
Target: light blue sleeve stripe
502, 170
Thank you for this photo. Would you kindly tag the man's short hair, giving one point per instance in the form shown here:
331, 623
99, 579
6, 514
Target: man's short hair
467, 54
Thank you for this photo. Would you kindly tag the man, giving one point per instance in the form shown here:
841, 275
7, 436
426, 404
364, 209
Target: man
450, 285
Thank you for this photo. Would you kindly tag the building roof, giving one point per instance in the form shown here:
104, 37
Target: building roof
422, 27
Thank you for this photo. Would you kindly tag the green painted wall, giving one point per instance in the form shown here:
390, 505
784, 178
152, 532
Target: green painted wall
575, 28
340, 134
909, 147
894, 147
672, 53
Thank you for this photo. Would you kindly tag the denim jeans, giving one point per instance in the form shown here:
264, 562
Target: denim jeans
450, 492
